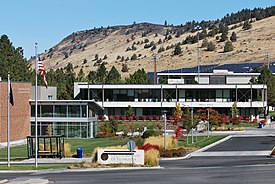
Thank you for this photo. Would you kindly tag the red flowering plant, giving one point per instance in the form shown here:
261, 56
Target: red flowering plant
131, 118
148, 146
157, 118
111, 117
117, 117
150, 118
178, 133
123, 118
137, 118
143, 118
103, 118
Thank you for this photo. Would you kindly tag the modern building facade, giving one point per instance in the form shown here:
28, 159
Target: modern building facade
152, 99
71, 118
19, 112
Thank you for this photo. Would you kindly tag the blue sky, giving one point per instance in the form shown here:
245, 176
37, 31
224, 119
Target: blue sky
47, 22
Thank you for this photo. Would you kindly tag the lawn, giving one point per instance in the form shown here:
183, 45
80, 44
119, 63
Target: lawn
88, 145
32, 167
200, 141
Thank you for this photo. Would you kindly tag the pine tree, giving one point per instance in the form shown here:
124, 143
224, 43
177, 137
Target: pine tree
177, 50
228, 47
124, 68
211, 46
139, 77
113, 76
81, 76
233, 37
13, 62
101, 74
247, 25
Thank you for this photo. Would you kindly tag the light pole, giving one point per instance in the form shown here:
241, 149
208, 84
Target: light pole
208, 122
164, 116
192, 139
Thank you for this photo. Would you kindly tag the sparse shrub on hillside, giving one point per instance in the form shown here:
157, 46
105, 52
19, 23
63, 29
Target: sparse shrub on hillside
228, 47
204, 43
105, 57
211, 46
160, 41
233, 37
84, 61
247, 25
134, 57
177, 50
124, 68
154, 47
161, 49
96, 57
146, 40
122, 59
127, 59
118, 57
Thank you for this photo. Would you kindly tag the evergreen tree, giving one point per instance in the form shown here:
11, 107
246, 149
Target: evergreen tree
134, 57
113, 76
124, 68
13, 62
233, 37
81, 76
211, 46
91, 77
101, 74
177, 50
228, 47
139, 77
247, 25
130, 111
69, 81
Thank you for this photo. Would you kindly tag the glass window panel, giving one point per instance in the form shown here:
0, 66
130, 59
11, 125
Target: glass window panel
46, 111
60, 111
84, 111
73, 110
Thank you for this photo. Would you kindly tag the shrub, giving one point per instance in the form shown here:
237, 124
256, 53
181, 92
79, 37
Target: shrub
180, 152
150, 118
151, 132
148, 146
157, 118
123, 118
143, 118
111, 117
131, 118
117, 117
236, 120
151, 157
137, 118
159, 141
159, 125
67, 150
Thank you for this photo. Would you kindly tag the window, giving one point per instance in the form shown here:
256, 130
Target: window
50, 97
217, 79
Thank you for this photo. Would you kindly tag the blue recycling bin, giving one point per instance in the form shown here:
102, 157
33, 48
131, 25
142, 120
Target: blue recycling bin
79, 152
260, 124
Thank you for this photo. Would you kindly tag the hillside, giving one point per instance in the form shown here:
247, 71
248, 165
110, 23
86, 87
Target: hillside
80, 48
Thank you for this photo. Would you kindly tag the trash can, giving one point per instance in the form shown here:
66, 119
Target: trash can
260, 124
79, 152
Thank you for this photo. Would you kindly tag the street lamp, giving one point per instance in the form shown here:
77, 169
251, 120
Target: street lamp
208, 122
164, 116
192, 125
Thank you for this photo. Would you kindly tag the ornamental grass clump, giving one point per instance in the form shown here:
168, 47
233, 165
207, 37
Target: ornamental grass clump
159, 141
151, 158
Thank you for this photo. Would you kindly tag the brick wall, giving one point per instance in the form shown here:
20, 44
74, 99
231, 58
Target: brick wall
19, 113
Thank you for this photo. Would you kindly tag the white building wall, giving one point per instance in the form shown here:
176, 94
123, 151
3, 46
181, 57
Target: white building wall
237, 79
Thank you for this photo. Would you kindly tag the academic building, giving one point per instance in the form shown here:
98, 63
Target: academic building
216, 86
19, 112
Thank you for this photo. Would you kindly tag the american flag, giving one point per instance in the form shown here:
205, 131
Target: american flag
41, 69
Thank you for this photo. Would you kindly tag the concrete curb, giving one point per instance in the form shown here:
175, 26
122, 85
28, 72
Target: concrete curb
177, 158
111, 169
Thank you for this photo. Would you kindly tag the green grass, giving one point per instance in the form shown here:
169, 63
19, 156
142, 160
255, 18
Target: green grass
200, 141
88, 145
32, 167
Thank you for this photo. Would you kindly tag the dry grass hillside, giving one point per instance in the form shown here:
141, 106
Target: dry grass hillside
81, 47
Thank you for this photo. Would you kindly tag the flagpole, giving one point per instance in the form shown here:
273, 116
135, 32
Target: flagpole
8, 128
36, 140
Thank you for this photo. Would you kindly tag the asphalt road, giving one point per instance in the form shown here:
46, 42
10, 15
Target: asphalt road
212, 170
